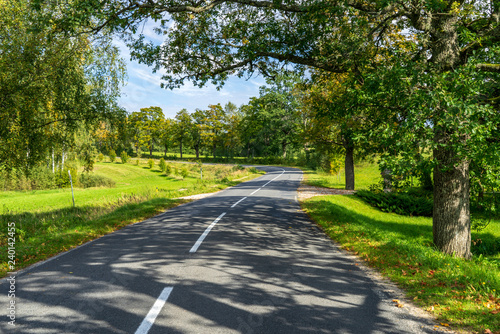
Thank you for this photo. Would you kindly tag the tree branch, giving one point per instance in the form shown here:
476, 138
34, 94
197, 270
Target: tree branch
489, 67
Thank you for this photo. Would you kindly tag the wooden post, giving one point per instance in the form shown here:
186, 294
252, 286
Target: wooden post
72, 193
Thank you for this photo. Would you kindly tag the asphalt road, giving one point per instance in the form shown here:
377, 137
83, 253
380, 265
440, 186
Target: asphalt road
245, 260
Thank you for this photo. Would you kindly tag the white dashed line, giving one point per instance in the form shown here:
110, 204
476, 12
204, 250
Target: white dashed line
153, 313
204, 235
255, 191
241, 200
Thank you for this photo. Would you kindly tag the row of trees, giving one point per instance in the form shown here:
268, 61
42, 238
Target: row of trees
269, 125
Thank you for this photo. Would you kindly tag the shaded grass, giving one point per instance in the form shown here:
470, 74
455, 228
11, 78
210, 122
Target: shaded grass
47, 224
464, 294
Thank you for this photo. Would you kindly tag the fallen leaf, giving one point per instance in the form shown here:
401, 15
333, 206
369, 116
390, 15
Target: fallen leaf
445, 324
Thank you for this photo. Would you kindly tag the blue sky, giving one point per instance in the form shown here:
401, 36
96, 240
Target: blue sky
143, 88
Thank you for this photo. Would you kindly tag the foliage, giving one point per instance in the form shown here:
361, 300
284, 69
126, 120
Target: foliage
87, 156
271, 122
124, 157
147, 127
62, 179
162, 165
400, 203
168, 170
100, 157
50, 85
151, 163
184, 172
112, 155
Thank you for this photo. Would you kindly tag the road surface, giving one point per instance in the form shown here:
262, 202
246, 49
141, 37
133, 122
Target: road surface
245, 260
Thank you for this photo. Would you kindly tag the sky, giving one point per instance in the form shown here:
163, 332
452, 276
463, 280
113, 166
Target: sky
143, 89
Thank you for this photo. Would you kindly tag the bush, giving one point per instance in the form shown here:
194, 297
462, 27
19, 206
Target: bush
184, 172
88, 180
137, 161
151, 163
112, 155
42, 178
168, 170
163, 165
124, 156
62, 178
100, 157
400, 203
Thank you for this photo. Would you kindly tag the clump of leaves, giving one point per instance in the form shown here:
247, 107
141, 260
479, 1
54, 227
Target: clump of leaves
151, 163
184, 172
112, 155
163, 165
125, 157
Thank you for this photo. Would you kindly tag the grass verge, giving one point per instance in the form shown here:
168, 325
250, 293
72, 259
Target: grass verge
46, 223
463, 294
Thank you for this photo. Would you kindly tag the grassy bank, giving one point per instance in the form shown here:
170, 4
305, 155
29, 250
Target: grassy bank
366, 174
462, 294
47, 224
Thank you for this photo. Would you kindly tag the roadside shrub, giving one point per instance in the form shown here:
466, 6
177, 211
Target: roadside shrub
163, 165
184, 172
400, 203
168, 169
62, 178
100, 157
112, 155
151, 163
124, 156
137, 161
42, 178
88, 180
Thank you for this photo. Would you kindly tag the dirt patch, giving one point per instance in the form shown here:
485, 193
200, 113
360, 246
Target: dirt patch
305, 191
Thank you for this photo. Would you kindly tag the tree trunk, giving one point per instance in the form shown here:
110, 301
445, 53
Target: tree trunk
197, 149
180, 148
283, 147
451, 216
349, 164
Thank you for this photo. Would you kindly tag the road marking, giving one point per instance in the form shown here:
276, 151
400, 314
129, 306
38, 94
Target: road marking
204, 235
273, 179
255, 191
241, 200
153, 313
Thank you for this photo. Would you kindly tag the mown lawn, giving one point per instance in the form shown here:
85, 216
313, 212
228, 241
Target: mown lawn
462, 294
46, 222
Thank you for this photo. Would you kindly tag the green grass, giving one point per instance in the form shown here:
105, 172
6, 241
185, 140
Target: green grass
47, 224
463, 294
365, 174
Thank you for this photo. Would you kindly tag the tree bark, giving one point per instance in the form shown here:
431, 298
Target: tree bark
180, 148
349, 165
451, 216
283, 147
